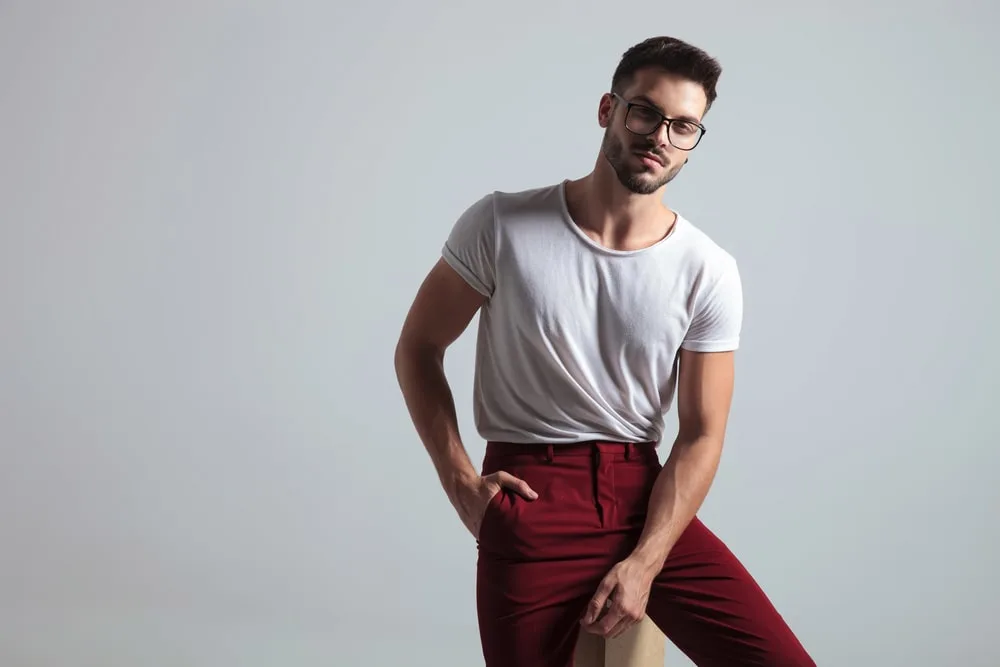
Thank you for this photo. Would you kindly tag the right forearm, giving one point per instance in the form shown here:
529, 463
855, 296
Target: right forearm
428, 397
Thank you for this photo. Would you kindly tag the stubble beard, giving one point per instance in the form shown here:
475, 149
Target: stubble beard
637, 182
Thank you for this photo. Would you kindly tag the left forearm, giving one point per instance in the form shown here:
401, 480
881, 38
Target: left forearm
678, 493
704, 393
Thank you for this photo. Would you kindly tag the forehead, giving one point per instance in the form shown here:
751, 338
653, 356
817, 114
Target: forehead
672, 95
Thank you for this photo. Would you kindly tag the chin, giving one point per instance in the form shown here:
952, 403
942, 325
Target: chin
642, 184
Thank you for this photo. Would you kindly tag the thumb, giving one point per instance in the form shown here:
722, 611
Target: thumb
516, 484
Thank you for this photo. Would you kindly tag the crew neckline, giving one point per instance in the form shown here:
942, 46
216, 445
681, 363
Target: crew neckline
568, 219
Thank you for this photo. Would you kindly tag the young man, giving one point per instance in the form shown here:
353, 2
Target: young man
599, 306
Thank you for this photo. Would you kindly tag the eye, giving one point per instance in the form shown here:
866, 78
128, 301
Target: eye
684, 127
646, 115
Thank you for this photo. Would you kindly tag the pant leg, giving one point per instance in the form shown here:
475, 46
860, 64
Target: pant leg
712, 609
528, 614
540, 561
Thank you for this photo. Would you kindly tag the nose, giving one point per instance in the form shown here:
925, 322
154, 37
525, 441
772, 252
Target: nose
660, 135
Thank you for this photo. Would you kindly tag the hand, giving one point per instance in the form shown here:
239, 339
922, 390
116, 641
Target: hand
620, 600
474, 496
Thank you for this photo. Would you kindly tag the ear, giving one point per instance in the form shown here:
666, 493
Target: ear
605, 110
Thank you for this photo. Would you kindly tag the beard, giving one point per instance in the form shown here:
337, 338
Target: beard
636, 180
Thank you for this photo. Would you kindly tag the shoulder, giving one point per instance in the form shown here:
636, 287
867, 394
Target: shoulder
491, 207
527, 202
484, 215
708, 259
716, 294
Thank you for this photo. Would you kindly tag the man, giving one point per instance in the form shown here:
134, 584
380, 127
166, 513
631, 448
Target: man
598, 307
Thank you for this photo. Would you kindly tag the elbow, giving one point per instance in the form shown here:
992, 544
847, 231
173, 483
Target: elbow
704, 428
401, 356
410, 352
700, 438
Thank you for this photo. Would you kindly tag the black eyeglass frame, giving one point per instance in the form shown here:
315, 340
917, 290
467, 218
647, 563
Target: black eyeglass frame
663, 119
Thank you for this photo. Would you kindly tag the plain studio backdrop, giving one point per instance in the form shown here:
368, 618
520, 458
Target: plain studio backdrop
214, 215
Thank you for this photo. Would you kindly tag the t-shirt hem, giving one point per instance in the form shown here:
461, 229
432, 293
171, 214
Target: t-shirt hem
711, 345
542, 439
454, 262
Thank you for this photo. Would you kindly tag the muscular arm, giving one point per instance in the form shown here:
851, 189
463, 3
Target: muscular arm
704, 395
441, 311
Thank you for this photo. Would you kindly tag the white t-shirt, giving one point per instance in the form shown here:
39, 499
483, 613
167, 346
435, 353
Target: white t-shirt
578, 342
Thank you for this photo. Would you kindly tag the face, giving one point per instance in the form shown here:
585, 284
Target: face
645, 163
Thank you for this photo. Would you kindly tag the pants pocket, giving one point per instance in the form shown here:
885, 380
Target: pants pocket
494, 506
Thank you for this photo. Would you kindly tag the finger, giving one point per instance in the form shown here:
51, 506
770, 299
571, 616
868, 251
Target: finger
615, 617
516, 484
619, 630
621, 627
598, 603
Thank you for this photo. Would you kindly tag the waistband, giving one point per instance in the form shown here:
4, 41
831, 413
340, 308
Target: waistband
624, 450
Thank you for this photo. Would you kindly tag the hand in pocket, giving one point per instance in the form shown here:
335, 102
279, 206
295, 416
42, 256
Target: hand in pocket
473, 498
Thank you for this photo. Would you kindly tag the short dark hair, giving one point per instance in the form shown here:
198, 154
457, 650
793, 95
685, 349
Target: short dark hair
673, 56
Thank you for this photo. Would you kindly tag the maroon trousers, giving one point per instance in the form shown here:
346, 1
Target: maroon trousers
540, 563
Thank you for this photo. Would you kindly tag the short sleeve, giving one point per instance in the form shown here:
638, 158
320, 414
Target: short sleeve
718, 319
471, 246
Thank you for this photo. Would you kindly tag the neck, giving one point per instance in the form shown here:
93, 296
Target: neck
615, 216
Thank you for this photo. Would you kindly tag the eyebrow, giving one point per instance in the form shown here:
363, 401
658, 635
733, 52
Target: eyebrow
650, 103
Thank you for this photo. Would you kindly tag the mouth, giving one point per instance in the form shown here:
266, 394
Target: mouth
650, 159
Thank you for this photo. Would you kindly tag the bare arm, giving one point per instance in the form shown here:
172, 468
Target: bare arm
440, 313
704, 396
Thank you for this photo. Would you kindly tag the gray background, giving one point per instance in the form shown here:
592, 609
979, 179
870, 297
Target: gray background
215, 214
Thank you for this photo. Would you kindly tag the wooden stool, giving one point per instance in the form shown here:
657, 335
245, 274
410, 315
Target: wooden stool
642, 646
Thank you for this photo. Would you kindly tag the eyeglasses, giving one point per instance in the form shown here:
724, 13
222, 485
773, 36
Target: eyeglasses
644, 120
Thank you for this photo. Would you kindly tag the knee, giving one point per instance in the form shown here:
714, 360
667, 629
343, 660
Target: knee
790, 654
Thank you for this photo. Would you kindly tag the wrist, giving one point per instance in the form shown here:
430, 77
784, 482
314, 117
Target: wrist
459, 480
649, 557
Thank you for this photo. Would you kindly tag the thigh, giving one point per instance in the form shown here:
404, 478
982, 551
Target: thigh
539, 563
713, 610
529, 612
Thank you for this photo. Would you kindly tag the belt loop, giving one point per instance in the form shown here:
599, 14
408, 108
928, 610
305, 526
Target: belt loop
628, 451
549, 452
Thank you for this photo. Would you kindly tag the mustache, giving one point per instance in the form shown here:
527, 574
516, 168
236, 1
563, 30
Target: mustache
648, 148
652, 150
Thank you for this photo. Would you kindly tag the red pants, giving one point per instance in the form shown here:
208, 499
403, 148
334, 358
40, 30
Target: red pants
540, 563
